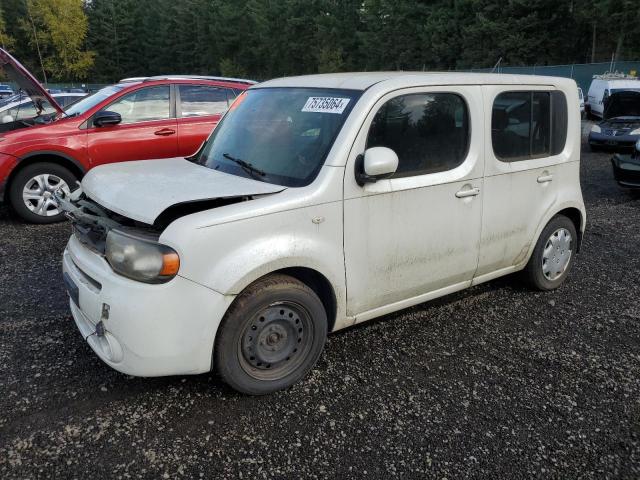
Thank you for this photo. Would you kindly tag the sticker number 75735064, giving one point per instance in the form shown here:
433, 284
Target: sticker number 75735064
325, 105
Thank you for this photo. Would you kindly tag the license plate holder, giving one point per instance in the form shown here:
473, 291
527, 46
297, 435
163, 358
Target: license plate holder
72, 288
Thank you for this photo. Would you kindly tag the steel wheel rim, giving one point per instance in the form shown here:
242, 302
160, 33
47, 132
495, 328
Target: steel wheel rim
556, 254
38, 191
276, 341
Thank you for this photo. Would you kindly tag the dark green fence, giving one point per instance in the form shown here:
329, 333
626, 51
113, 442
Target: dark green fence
582, 73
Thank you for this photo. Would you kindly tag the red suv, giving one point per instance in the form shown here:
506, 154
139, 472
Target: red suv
136, 119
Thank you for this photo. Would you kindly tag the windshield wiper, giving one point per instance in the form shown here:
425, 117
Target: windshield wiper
249, 168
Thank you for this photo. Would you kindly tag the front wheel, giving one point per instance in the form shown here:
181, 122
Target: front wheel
553, 255
272, 335
31, 191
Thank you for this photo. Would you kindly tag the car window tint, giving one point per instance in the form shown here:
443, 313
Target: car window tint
511, 125
541, 124
558, 122
143, 105
428, 132
528, 125
199, 100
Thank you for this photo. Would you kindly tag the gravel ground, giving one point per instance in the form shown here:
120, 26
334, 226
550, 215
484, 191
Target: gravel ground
494, 382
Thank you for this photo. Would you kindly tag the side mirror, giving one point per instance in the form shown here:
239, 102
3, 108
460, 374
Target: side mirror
104, 118
376, 164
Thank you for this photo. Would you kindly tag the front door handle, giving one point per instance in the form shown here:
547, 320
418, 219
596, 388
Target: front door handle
164, 132
546, 178
470, 192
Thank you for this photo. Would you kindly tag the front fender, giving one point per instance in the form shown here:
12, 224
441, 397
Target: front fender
229, 256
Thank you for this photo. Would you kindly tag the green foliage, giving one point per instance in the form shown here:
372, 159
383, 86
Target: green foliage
6, 41
61, 28
269, 38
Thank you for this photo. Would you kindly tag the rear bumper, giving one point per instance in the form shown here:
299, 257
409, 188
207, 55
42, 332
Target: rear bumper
626, 171
622, 142
149, 330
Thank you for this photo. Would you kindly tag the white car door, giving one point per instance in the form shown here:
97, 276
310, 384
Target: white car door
415, 235
523, 153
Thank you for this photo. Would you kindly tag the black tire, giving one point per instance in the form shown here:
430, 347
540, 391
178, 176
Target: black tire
24, 176
271, 336
534, 271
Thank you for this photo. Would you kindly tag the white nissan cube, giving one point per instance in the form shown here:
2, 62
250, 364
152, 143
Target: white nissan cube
317, 203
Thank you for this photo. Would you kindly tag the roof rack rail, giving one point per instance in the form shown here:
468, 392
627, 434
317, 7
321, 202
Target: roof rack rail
615, 76
187, 77
199, 77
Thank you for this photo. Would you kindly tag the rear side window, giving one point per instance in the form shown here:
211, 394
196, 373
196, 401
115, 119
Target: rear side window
528, 125
200, 100
428, 131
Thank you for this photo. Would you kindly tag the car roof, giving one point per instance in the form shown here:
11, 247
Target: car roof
364, 80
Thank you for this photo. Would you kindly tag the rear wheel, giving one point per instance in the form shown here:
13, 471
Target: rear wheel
31, 191
553, 255
271, 336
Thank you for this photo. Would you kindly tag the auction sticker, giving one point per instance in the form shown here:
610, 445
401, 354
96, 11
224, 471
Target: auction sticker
325, 105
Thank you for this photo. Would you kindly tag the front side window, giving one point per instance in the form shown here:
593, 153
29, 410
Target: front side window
278, 135
144, 105
528, 125
200, 100
428, 131
90, 101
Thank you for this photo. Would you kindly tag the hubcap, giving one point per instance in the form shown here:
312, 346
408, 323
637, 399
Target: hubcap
556, 254
276, 341
38, 194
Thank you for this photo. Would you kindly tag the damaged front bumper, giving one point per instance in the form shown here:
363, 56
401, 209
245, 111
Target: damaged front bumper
136, 328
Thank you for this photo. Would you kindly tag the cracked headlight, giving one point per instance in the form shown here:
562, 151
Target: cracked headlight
140, 259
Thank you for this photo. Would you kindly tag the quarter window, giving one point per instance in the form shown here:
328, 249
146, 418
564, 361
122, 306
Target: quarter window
428, 132
197, 100
528, 125
144, 105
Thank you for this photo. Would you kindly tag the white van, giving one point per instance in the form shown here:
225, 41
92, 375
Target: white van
317, 203
602, 86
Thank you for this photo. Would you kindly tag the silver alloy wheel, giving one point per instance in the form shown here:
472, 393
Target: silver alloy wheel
37, 194
556, 254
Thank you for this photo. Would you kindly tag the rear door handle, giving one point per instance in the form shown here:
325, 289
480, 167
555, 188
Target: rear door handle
471, 192
545, 178
164, 132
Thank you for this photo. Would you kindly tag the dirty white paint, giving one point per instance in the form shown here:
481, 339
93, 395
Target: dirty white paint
382, 247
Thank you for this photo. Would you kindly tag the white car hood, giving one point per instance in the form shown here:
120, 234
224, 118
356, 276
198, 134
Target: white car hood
142, 190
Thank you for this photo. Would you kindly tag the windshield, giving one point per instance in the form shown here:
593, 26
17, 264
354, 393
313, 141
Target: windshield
278, 135
87, 103
623, 104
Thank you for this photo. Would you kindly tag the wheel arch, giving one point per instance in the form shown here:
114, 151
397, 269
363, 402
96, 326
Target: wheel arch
44, 156
314, 279
576, 217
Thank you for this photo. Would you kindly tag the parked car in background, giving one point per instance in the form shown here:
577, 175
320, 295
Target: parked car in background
5, 91
23, 108
156, 117
620, 127
317, 203
581, 99
603, 86
626, 168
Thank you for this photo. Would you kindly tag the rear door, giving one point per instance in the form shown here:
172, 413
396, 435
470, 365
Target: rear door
523, 153
199, 109
148, 129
